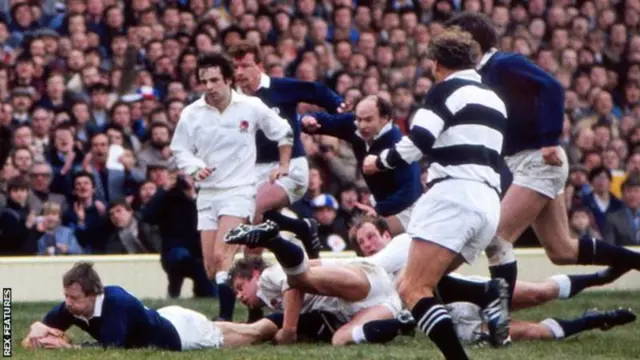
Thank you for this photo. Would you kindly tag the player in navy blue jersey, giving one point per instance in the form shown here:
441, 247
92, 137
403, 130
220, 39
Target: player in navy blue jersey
535, 110
117, 319
370, 130
283, 95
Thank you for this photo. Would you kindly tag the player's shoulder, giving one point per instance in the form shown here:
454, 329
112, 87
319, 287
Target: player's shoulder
248, 100
193, 107
272, 274
502, 58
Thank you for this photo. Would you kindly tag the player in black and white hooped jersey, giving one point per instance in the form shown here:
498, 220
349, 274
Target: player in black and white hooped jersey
459, 127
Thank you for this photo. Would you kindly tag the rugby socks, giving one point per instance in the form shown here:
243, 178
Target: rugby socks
452, 289
226, 296
299, 227
378, 331
562, 329
571, 285
596, 252
508, 272
289, 255
434, 320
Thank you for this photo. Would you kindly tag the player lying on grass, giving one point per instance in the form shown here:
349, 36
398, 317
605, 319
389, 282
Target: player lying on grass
356, 292
116, 319
372, 237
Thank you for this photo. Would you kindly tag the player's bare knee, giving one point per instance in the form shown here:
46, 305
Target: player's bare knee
560, 257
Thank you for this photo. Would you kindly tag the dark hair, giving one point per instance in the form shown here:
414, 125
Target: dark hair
479, 26
120, 202
83, 173
83, 274
215, 61
244, 47
454, 49
17, 183
244, 268
632, 180
597, 171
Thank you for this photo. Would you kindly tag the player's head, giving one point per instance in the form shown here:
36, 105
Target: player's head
452, 50
479, 26
82, 285
215, 73
372, 114
370, 234
247, 61
244, 279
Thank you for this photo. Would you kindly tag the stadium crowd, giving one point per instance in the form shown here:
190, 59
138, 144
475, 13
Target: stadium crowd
91, 92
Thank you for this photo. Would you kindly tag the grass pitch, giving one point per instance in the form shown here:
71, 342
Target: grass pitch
617, 344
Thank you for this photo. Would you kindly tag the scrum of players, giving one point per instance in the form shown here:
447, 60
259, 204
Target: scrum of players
468, 125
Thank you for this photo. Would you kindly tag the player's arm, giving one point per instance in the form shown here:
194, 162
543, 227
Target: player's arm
342, 126
551, 94
426, 126
292, 299
317, 94
276, 129
183, 147
408, 179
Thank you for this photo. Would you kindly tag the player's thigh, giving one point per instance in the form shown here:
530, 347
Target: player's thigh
343, 281
271, 196
552, 230
343, 335
542, 182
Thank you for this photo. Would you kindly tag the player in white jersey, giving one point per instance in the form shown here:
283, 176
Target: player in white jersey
215, 143
373, 240
357, 290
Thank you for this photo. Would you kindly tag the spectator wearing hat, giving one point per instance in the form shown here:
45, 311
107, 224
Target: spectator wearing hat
21, 102
623, 225
600, 200
325, 211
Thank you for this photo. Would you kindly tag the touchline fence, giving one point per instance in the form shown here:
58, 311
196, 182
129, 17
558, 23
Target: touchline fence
40, 278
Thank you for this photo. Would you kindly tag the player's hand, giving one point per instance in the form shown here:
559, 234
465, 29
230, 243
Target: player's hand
368, 210
551, 155
286, 336
63, 248
278, 173
344, 107
369, 166
38, 329
102, 209
310, 124
203, 174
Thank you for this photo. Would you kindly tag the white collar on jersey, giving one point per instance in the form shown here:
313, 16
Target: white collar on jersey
265, 81
485, 58
97, 309
235, 96
469, 74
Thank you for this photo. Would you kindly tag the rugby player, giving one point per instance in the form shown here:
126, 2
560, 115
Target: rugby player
460, 126
535, 108
283, 95
370, 130
117, 319
214, 142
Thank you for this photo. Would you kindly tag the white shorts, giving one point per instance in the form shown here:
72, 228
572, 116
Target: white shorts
404, 216
460, 215
239, 202
467, 320
194, 329
530, 171
382, 291
295, 184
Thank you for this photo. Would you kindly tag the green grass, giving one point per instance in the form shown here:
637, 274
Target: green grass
617, 344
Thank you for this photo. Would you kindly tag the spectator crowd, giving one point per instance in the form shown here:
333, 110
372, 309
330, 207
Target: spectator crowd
91, 91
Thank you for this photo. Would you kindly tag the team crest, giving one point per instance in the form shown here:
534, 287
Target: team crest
244, 126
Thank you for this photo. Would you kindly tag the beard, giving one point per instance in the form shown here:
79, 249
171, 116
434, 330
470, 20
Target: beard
159, 145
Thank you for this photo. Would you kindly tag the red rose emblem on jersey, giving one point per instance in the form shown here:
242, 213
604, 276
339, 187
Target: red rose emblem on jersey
244, 126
